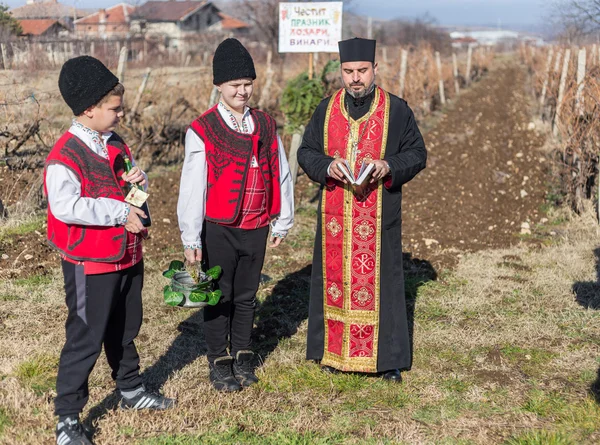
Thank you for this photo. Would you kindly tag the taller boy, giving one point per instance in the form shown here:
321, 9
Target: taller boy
99, 237
235, 180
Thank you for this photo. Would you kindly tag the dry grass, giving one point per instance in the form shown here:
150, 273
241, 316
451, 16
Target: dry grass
503, 351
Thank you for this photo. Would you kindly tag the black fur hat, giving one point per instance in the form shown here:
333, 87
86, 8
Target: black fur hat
232, 61
83, 82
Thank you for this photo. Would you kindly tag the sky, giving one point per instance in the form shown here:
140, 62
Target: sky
446, 12
458, 12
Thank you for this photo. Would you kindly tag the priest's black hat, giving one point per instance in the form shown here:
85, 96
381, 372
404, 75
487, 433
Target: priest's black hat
357, 50
84, 81
232, 61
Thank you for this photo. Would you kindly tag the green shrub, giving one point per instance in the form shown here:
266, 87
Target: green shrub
300, 98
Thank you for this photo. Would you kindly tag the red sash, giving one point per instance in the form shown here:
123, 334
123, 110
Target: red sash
351, 228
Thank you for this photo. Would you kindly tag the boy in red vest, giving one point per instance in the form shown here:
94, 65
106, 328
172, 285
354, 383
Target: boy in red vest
235, 182
99, 237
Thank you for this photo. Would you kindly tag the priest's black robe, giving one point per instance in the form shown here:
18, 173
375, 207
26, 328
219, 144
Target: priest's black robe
406, 154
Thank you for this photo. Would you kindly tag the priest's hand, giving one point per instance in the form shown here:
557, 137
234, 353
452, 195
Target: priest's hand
192, 255
381, 170
335, 170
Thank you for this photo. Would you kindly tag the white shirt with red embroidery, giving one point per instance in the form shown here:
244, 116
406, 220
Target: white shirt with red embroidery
191, 207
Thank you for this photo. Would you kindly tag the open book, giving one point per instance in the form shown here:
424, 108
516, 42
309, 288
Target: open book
365, 170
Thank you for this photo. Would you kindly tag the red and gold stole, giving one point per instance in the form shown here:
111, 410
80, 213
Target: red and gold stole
351, 228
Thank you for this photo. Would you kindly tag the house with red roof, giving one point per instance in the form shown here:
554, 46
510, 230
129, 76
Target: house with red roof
113, 22
176, 21
51, 9
231, 24
43, 28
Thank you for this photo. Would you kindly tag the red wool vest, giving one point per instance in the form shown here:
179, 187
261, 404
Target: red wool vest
228, 157
100, 178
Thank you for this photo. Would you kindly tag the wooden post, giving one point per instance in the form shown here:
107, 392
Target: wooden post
140, 92
438, 62
145, 49
266, 91
370, 28
92, 48
311, 61
561, 90
579, 99
593, 55
50, 50
546, 76
122, 64
188, 59
293, 158
455, 73
384, 54
557, 62
469, 60
4, 55
403, 66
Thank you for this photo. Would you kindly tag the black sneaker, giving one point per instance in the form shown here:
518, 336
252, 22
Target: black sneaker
147, 400
221, 375
243, 368
70, 432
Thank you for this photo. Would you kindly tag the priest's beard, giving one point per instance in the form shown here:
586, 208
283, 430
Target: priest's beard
359, 94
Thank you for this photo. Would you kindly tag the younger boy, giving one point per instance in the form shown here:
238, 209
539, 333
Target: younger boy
99, 237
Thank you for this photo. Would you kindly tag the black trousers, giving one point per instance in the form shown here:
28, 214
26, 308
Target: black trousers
104, 309
241, 254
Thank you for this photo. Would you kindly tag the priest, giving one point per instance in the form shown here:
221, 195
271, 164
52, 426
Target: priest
357, 313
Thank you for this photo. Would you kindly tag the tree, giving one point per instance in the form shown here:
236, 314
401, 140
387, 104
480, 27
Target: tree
8, 24
577, 19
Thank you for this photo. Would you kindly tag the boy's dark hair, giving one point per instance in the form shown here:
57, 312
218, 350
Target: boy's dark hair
118, 90
84, 81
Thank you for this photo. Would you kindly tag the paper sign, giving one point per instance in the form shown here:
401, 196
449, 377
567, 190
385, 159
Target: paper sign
310, 27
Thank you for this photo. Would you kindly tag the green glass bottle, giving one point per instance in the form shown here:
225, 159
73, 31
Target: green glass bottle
146, 222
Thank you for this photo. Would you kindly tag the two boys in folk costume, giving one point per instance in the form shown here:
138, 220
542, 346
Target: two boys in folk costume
99, 237
235, 183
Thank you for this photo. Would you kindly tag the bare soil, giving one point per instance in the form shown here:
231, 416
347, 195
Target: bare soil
485, 174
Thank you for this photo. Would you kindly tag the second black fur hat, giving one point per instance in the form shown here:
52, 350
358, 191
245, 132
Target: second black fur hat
83, 81
232, 61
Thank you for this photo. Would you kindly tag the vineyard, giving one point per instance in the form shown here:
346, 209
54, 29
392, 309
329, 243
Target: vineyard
502, 284
567, 89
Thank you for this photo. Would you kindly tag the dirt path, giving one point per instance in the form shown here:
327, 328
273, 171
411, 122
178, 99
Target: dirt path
484, 176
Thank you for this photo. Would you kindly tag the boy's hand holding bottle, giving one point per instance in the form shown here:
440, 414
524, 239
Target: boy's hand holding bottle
135, 176
136, 197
